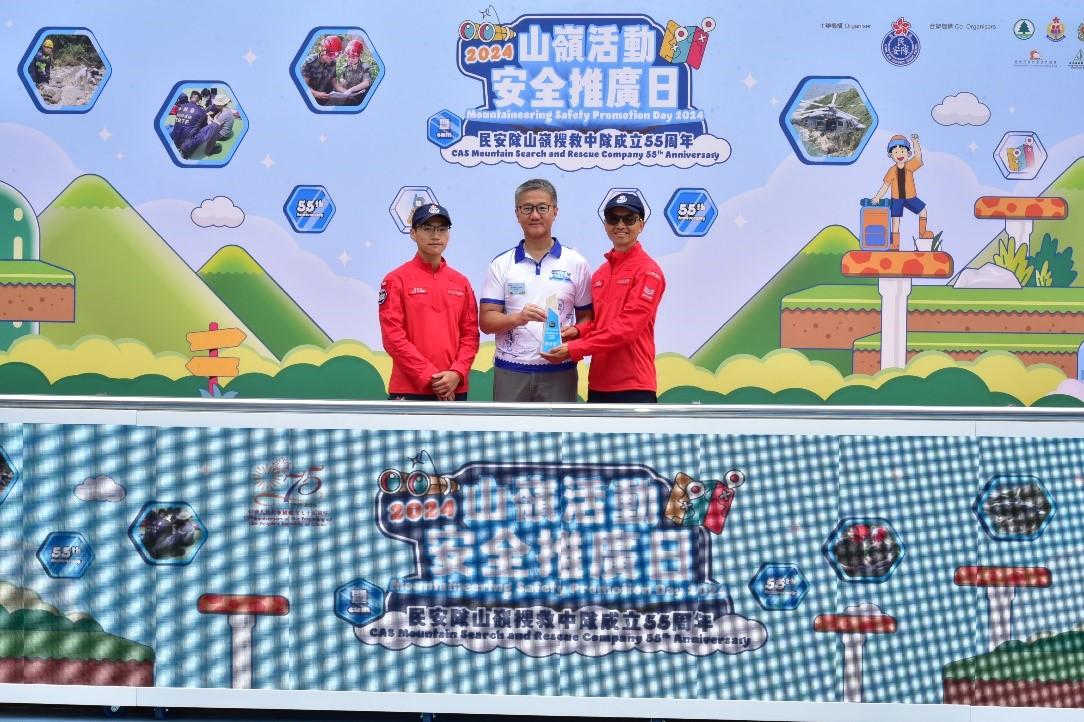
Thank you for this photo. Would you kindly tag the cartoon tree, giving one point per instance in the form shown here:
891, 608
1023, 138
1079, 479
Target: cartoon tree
18, 226
18, 242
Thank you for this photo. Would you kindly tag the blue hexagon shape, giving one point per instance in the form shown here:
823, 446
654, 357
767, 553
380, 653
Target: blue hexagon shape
309, 209
690, 212
359, 602
864, 549
618, 191
406, 200
828, 120
167, 533
1014, 507
9, 475
64, 70
337, 70
779, 586
1020, 155
444, 129
65, 555
205, 127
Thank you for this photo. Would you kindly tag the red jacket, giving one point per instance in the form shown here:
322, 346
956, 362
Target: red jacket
429, 324
625, 292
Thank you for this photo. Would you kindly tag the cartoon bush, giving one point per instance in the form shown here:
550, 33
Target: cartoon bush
1014, 258
1061, 273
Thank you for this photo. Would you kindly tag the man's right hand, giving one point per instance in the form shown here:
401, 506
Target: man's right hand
530, 312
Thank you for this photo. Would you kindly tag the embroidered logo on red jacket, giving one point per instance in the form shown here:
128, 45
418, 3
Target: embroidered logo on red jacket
417, 290
455, 292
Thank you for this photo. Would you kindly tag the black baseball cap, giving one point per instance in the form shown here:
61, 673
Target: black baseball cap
628, 201
428, 211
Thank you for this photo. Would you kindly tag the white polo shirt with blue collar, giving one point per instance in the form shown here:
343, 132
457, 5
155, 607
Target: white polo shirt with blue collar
514, 280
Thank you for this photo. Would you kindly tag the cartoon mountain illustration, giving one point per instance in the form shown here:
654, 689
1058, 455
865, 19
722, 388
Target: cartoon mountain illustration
40, 644
754, 328
1069, 233
259, 301
132, 284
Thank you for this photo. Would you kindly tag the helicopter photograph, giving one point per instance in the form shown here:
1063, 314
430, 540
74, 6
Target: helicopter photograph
831, 121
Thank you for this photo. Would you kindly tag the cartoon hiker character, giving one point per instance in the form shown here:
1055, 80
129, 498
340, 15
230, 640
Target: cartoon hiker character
900, 180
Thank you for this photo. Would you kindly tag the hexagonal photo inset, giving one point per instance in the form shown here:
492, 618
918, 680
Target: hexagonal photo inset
201, 123
828, 120
337, 70
64, 70
1020, 155
864, 550
167, 533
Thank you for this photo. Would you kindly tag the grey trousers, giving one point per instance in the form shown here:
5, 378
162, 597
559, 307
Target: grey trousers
552, 386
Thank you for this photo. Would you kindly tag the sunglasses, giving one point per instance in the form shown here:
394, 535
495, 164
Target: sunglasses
630, 220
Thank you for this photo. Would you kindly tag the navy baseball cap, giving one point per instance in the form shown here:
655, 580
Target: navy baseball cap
428, 211
628, 201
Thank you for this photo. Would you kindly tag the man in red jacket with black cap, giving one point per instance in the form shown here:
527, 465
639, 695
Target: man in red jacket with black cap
625, 292
428, 317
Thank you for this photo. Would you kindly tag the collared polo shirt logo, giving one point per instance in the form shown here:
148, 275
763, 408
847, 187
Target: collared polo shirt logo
517, 289
560, 275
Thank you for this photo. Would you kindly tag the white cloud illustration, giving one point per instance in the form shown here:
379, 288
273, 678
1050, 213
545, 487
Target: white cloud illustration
100, 488
961, 109
219, 211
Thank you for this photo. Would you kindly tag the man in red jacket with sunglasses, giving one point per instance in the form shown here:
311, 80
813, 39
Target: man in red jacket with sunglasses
625, 293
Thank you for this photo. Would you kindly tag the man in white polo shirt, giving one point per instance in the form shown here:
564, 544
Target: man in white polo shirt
513, 302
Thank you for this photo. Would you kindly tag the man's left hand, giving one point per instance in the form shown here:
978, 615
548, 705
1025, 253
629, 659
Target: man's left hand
557, 354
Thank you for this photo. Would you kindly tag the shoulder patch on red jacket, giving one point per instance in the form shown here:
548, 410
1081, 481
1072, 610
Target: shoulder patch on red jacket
650, 290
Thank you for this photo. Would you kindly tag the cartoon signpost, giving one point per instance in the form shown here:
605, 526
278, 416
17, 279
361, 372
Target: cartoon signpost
212, 365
